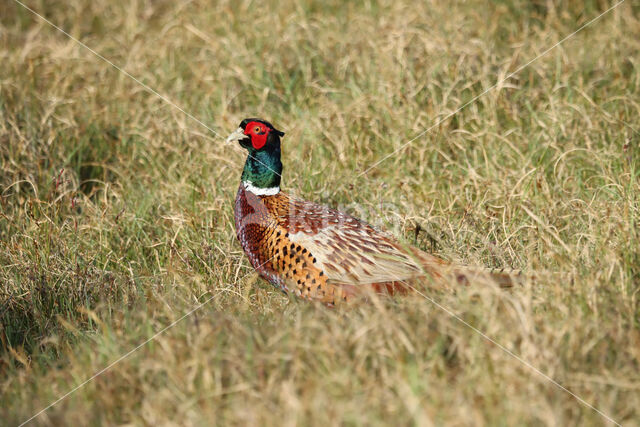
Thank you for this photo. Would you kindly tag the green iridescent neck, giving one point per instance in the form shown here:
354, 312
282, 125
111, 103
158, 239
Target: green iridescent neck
263, 168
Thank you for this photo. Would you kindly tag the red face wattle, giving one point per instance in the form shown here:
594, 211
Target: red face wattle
258, 133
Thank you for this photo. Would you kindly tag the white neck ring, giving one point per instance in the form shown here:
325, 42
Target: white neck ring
271, 191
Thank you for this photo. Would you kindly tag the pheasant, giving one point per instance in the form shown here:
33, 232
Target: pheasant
319, 253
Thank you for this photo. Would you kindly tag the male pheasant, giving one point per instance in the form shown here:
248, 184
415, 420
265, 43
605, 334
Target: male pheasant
319, 253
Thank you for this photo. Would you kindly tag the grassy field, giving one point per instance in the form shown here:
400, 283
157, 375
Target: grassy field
116, 210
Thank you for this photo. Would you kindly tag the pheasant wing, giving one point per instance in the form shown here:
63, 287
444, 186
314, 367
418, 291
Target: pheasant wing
349, 250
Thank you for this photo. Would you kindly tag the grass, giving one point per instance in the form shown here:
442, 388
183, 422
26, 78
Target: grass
116, 218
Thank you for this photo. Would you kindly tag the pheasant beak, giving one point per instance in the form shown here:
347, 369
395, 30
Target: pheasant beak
237, 135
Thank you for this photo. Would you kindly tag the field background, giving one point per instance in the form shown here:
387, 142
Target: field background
116, 210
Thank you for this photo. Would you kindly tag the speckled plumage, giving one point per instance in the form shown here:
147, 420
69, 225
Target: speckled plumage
319, 253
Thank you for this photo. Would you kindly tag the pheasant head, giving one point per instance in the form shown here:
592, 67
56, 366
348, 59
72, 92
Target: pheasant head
263, 169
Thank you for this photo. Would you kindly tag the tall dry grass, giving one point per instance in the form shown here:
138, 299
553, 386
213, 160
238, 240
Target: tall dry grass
115, 210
